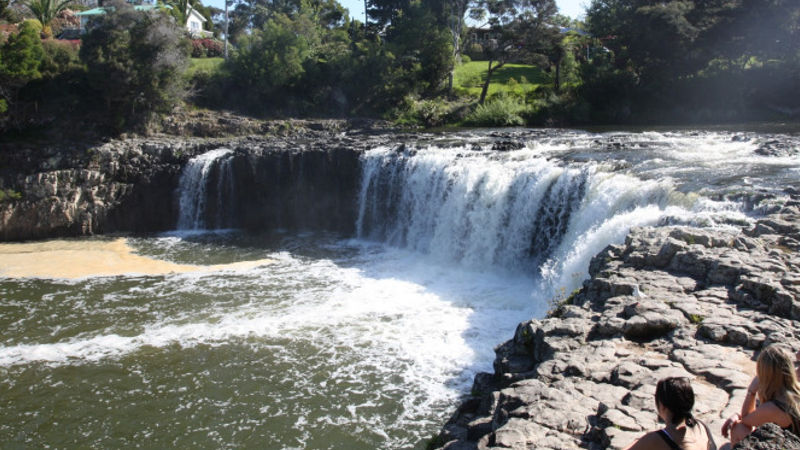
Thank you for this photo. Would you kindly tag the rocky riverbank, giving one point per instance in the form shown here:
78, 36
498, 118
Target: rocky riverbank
670, 301
127, 185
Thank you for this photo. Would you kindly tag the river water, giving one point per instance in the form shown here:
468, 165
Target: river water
226, 339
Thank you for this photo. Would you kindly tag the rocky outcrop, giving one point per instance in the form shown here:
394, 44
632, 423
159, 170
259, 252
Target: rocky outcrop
670, 301
769, 437
81, 191
307, 180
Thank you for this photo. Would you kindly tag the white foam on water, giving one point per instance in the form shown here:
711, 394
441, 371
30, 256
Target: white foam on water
432, 326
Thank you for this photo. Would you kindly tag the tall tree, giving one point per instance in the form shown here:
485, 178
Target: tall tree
135, 61
180, 10
522, 31
384, 12
45, 11
20, 58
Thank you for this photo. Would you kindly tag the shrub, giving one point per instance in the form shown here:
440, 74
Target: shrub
135, 62
213, 48
427, 113
59, 57
198, 50
500, 111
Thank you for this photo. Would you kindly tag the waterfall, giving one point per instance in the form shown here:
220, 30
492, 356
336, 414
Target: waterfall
206, 190
515, 210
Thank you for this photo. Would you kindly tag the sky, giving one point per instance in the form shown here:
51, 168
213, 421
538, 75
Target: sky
571, 8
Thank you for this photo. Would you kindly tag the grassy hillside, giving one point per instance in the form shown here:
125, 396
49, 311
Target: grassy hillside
207, 65
520, 78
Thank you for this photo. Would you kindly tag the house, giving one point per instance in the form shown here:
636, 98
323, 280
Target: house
194, 23
89, 14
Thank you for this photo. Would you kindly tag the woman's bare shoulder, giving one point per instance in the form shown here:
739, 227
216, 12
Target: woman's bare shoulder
650, 440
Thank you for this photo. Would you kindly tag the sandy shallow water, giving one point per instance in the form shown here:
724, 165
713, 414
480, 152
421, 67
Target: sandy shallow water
73, 259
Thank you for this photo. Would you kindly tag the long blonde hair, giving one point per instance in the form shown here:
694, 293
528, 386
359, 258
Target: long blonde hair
777, 379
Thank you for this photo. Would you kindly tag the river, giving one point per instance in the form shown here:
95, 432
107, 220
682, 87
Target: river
284, 339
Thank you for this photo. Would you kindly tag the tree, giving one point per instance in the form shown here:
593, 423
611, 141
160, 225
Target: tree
385, 12
180, 10
46, 11
20, 58
271, 59
523, 32
4, 8
135, 61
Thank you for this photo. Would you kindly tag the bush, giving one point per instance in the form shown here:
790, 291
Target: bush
135, 61
198, 51
202, 48
59, 57
474, 51
500, 111
427, 113
214, 49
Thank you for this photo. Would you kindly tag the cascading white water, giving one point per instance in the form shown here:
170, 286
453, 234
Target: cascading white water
194, 185
350, 343
518, 210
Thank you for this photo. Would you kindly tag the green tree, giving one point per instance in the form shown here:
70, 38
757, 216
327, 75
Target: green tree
523, 32
424, 48
135, 61
271, 59
20, 58
46, 11
4, 9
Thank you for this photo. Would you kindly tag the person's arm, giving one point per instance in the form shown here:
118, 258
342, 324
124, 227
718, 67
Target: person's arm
749, 404
767, 413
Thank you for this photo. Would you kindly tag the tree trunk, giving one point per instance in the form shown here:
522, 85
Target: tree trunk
485, 89
558, 76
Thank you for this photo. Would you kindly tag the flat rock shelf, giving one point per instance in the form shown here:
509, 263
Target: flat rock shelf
670, 301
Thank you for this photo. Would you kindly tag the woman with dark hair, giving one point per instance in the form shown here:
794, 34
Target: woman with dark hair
777, 388
674, 402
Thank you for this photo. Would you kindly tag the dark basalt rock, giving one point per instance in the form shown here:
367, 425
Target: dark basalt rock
129, 186
769, 437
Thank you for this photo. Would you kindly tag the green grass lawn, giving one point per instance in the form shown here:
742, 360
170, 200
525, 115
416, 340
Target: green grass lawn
208, 65
469, 78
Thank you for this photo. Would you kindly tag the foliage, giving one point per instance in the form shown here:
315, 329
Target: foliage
59, 57
424, 48
4, 10
500, 111
208, 66
202, 48
135, 60
46, 11
429, 113
180, 10
8, 195
272, 58
523, 31
662, 53
469, 78
252, 15
21, 56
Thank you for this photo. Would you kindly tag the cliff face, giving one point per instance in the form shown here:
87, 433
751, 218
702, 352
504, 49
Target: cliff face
670, 301
129, 186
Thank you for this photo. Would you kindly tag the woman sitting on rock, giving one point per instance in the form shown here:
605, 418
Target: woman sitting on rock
674, 402
778, 391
